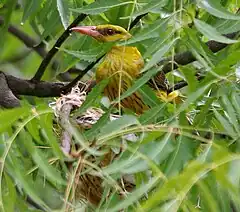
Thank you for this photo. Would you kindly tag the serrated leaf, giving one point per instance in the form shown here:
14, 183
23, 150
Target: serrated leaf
152, 5
101, 6
89, 55
64, 12
211, 32
216, 9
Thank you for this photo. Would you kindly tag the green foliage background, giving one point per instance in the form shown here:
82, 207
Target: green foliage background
196, 170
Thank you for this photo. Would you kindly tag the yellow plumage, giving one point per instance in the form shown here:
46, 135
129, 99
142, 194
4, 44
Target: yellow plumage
122, 65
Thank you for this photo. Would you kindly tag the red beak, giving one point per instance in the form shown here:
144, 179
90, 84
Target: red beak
86, 30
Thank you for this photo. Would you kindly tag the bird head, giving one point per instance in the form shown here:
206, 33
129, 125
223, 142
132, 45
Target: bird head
104, 33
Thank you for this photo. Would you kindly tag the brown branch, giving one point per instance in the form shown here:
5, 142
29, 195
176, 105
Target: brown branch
8, 99
27, 87
55, 48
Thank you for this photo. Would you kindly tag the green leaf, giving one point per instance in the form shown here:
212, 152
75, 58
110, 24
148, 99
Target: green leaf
192, 98
117, 125
152, 114
149, 96
46, 122
30, 7
227, 26
225, 123
40, 160
25, 182
10, 5
89, 55
211, 32
101, 6
138, 83
9, 196
216, 9
158, 55
152, 5
134, 196
231, 112
64, 12
96, 128
8, 117
151, 31
189, 74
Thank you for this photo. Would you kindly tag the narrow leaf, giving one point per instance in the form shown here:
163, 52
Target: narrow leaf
93, 95
216, 9
226, 125
64, 12
101, 6
211, 32
30, 7
152, 5
117, 125
158, 55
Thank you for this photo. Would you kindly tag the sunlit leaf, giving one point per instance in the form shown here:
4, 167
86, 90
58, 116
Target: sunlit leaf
63, 9
211, 33
215, 8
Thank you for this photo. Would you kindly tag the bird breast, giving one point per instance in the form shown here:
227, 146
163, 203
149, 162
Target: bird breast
123, 60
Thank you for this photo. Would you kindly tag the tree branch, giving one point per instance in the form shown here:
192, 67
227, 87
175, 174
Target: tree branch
27, 87
55, 48
136, 20
7, 100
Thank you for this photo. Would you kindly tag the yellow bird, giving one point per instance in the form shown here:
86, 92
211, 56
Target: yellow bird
122, 65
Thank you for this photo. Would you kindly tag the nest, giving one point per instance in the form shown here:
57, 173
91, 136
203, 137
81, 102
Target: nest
88, 183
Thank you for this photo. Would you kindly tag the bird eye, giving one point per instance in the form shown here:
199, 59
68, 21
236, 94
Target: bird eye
110, 32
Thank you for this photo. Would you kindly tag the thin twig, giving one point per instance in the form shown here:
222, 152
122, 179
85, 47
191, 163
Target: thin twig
39, 48
136, 20
74, 82
55, 48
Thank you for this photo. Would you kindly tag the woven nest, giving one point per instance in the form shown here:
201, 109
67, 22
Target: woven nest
88, 183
